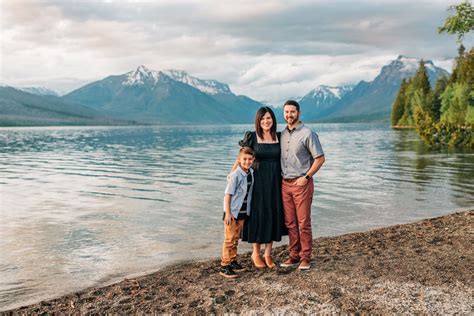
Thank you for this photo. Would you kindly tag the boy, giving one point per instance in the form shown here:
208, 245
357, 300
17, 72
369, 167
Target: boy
237, 201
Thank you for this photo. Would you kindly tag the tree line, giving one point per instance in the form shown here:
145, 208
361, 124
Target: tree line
444, 115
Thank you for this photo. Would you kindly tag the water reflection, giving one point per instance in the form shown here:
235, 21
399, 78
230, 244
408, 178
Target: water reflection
434, 166
83, 205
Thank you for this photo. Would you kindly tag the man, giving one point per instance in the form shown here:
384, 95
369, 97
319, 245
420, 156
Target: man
301, 157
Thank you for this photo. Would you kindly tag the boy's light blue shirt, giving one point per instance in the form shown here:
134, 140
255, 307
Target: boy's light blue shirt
237, 188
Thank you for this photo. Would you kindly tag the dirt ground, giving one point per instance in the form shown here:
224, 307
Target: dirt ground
424, 267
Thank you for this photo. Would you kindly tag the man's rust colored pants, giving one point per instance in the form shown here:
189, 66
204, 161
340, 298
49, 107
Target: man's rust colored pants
297, 209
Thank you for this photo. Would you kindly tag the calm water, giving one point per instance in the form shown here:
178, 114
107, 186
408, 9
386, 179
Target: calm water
82, 206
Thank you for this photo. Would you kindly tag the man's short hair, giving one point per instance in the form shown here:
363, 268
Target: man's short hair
246, 150
293, 103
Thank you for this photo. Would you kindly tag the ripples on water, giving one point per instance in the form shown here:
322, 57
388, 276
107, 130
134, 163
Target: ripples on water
87, 205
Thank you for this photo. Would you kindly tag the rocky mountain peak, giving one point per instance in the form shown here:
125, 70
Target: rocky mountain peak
145, 76
405, 67
325, 91
206, 86
141, 75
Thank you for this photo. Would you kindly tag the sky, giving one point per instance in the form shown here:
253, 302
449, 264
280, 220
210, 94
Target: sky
268, 50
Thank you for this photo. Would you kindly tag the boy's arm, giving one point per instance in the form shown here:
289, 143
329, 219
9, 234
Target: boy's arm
228, 216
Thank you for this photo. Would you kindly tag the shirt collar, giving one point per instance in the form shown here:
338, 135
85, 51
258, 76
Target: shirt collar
299, 126
242, 172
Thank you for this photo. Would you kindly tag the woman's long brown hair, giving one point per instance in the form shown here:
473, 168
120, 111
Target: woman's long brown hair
258, 117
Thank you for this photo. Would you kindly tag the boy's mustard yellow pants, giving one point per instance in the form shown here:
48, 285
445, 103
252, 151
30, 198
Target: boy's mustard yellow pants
231, 240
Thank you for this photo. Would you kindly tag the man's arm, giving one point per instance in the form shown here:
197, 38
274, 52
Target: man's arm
314, 147
317, 163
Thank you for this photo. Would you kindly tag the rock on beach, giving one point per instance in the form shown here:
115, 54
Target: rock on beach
423, 267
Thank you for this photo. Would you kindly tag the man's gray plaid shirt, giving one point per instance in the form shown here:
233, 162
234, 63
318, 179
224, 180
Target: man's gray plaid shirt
299, 148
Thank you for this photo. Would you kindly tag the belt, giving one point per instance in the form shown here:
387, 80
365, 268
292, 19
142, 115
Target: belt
290, 180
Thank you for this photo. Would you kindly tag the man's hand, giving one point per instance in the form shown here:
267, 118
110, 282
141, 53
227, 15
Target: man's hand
228, 219
301, 181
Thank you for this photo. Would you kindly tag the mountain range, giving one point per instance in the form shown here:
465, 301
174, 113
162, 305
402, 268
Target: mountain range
20, 108
321, 101
147, 96
39, 91
165, 97
366, 101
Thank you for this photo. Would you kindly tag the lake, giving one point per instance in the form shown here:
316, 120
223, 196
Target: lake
82, 206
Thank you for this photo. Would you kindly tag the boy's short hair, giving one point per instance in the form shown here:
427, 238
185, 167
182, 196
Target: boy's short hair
246, 150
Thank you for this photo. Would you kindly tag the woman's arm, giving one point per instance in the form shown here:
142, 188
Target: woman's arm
246, 141
236, 163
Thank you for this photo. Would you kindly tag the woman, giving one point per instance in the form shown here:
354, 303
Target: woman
265, 223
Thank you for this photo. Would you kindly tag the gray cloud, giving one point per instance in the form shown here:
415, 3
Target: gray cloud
265, 50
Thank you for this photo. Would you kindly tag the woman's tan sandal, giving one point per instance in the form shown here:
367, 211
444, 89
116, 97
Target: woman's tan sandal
258, 262
269, 262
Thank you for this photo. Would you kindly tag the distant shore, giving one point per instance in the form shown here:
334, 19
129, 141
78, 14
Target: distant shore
423, 267
403, 127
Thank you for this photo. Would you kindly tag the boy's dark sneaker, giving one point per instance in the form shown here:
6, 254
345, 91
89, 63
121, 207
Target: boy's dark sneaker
236, 266
227, 272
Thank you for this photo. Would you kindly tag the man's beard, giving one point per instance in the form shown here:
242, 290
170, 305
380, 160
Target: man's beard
293, 120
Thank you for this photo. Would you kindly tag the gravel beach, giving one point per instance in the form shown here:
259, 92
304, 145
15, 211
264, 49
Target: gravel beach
423, 267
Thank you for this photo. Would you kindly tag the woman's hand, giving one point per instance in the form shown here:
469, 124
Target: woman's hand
228, 219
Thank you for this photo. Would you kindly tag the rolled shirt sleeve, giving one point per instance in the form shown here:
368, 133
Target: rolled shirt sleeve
314, 146
232, 185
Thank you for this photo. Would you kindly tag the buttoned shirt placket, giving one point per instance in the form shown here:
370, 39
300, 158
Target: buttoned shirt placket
290, 132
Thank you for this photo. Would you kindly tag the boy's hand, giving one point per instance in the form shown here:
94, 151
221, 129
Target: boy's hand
228, 219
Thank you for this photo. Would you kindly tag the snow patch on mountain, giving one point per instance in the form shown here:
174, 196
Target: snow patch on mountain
325, 92
38, 91
142, 75
206, 86
410, 65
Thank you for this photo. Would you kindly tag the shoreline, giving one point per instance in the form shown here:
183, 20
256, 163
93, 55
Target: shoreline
424, 267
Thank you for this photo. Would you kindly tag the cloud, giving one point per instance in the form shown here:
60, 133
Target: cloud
275, 78
265, 50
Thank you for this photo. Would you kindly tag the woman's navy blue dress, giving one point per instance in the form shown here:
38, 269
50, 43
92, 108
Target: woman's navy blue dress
266, 222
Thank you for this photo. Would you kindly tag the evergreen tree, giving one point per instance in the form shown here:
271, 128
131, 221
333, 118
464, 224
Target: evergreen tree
465, 68
420, 80
407, 117
454, 104
398, 107
470, 115
422, 95
422, 120
457, 60
446, 116
440, 86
